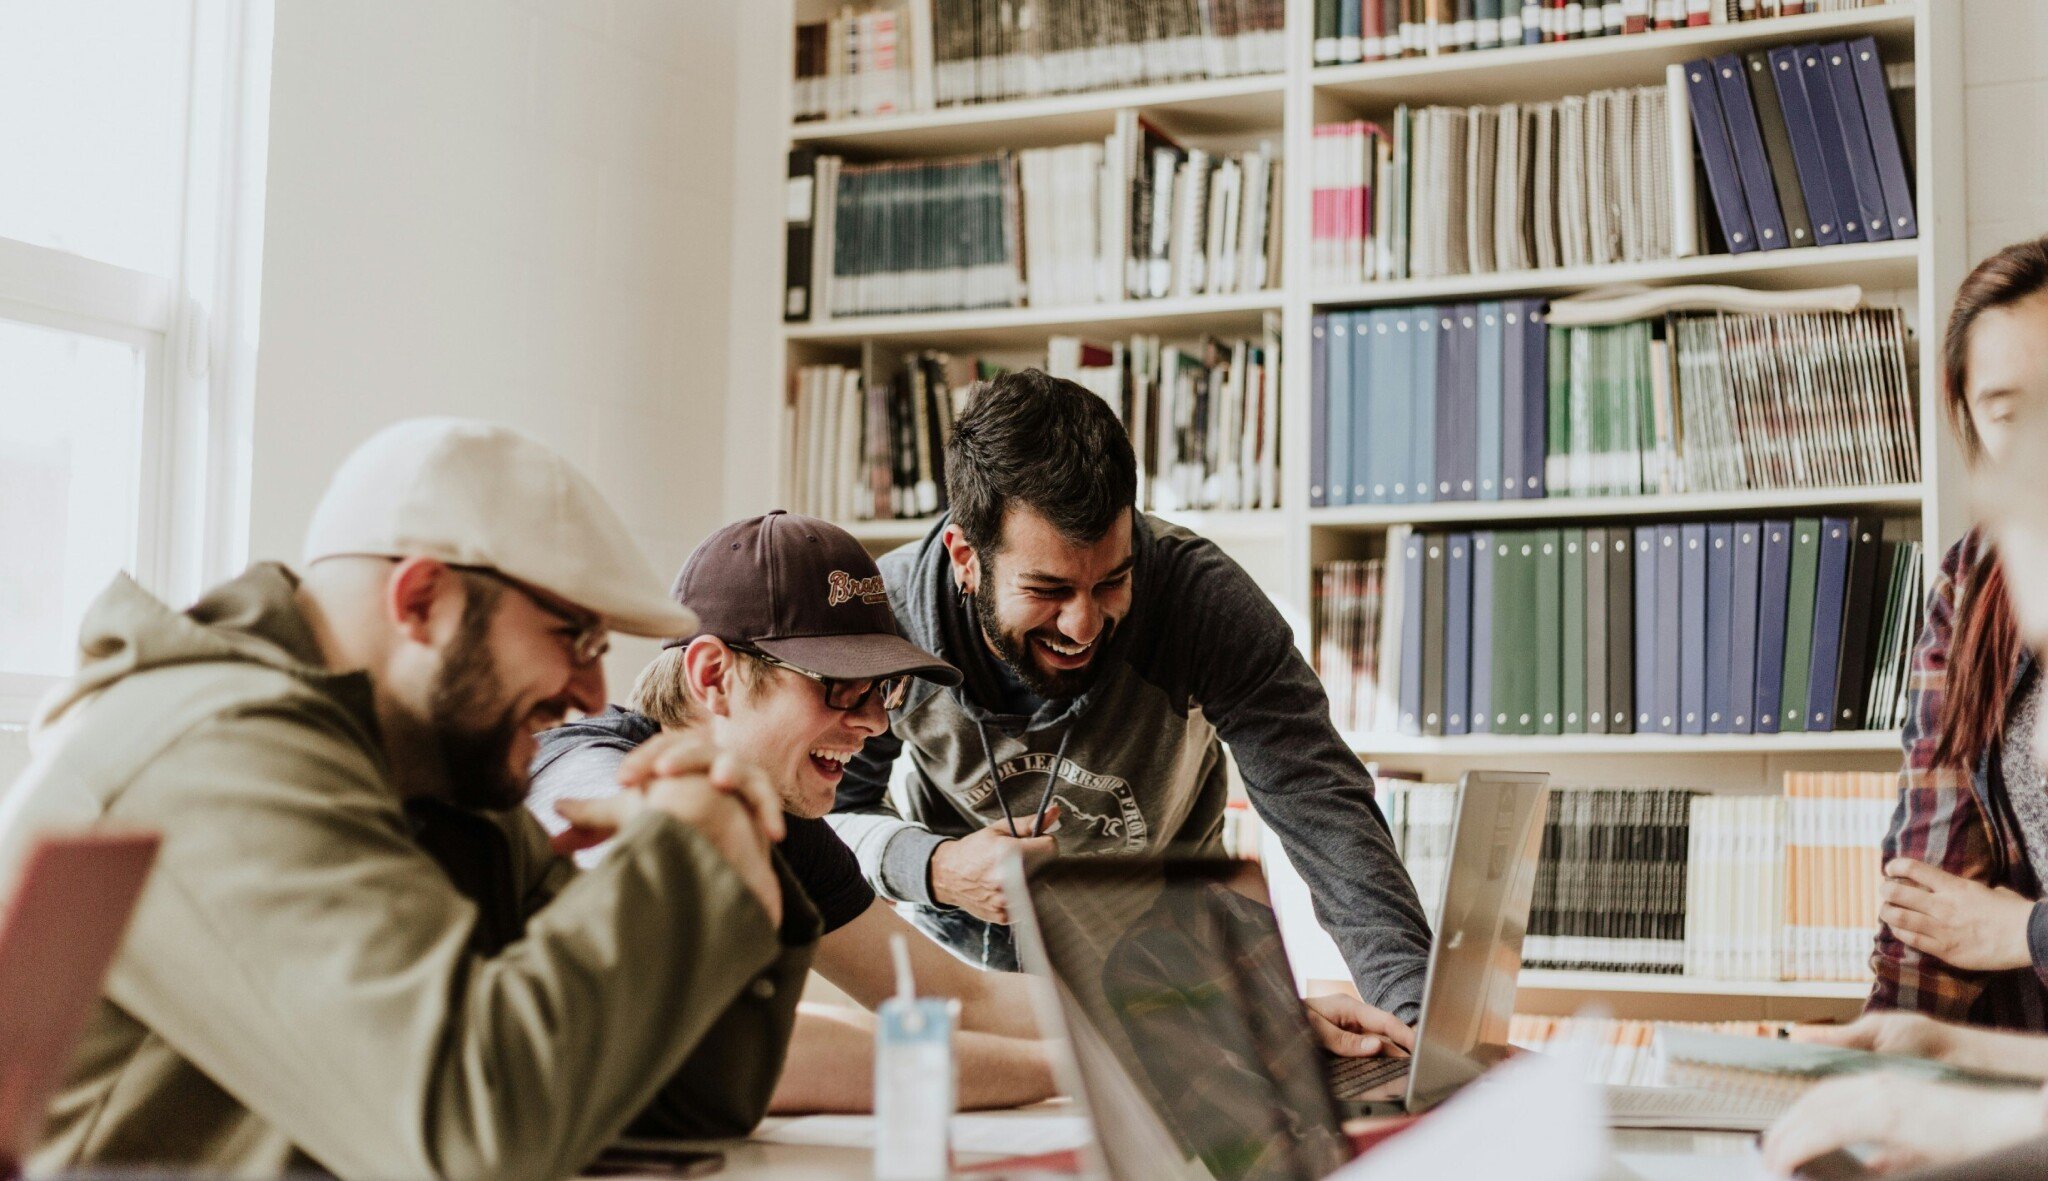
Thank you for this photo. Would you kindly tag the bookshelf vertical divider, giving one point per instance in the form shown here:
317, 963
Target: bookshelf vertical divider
1282, 547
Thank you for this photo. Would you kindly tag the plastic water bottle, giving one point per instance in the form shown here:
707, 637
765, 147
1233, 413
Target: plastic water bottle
915, 1089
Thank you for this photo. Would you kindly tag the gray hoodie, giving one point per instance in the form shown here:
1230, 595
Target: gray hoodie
1203, 655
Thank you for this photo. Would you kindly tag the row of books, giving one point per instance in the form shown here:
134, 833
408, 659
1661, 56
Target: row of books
1205, 422
1582, 181
1786, 886
1138, 215
872, 450
1669, 881
911, 55
1717, 402
1626, 1052
1611, 882
1487, 401
1723, 627
1379, 30
1800, 145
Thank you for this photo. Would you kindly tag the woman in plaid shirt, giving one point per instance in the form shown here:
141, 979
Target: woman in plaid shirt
1962, 936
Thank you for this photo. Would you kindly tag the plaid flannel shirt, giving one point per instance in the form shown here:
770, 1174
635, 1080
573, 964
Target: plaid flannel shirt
1961, 823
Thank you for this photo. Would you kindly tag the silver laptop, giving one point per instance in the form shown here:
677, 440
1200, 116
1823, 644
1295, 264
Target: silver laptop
1187, 1040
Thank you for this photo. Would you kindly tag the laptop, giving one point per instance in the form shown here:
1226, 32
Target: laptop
59, 931
1187, 1041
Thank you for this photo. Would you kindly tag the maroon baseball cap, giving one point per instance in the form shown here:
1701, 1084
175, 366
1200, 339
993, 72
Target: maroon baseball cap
805, 592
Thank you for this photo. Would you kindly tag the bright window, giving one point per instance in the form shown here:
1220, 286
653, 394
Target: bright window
130, 222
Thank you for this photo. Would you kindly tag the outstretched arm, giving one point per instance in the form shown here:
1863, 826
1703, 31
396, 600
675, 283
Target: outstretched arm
831, 1066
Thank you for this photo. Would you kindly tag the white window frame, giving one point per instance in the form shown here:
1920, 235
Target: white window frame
196, 328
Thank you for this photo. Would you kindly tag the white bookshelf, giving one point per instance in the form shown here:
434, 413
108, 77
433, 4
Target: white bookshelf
1282, 547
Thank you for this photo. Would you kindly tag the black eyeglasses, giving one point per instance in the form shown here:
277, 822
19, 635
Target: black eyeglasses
844, 695
591, 635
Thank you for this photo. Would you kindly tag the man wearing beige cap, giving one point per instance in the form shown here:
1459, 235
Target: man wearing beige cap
358, 953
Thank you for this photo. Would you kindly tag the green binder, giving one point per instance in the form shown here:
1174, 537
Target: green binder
1514, 650
1549, 628
1799, 596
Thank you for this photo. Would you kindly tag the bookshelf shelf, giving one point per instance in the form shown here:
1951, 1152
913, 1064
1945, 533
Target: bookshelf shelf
1547, 71
1219, 106
1776, 502
1650, 982
1028, 327
1876, 265
1556, 746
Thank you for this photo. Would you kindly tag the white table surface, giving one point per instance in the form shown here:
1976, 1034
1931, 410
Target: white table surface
1639, 1155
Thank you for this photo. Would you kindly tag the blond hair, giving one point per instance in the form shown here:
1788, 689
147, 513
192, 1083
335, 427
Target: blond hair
662, 690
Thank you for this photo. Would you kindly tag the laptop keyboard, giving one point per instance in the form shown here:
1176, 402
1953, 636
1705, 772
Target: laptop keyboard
1352, 1078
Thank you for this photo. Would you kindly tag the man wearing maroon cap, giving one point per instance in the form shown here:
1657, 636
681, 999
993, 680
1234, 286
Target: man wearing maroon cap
793, 665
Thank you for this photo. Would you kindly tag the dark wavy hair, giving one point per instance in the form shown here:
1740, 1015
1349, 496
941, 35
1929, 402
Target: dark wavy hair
1044, 443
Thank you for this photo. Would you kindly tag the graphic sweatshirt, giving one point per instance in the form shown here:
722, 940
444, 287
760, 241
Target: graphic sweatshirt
1136, 763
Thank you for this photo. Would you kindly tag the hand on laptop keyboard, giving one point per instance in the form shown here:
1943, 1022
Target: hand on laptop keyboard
1349, 1027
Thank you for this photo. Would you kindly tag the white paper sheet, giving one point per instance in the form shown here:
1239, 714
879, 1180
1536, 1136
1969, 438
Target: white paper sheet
1535, 1118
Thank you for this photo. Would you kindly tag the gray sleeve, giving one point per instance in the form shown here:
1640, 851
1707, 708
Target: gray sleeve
1238, 660
895, 854
585, 772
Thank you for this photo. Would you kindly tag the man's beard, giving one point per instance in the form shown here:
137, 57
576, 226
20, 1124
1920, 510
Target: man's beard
1016, 652
476, 759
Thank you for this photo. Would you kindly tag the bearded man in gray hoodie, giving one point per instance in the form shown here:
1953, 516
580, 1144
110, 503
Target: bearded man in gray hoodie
1108, 656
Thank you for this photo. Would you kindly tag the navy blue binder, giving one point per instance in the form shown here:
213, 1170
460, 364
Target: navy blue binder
1646, 629
1752, 164
1458, 634
1814, 182
1720, 589
1535, 397
1319, 410
1491, 334
1513, 354
1830, 593
1338, 442
1364, 427
1742, 626
1774, 582
1827, 127
1411, 635
1692, 629
1479, 709
1724, 181
1892, 175
1841, 72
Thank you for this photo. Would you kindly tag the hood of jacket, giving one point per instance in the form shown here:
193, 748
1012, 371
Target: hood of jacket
252, 619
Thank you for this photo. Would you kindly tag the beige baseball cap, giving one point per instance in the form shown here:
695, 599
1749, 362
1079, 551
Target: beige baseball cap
471, 493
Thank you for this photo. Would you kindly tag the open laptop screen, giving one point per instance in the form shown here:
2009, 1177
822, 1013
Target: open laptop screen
1176, 971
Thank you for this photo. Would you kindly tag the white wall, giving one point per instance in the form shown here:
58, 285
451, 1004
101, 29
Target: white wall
515, 211
2005, 106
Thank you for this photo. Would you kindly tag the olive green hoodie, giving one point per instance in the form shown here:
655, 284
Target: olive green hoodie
306, 985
